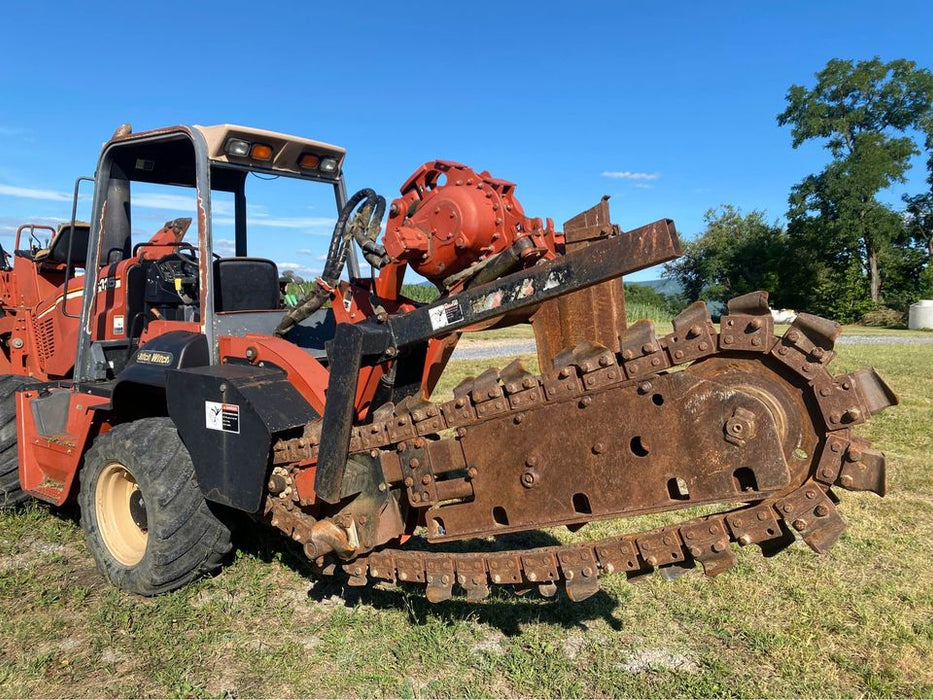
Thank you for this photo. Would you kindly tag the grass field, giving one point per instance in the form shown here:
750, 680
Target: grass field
857, 622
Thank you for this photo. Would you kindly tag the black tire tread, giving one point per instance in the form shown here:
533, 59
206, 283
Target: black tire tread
186, 538
11, 494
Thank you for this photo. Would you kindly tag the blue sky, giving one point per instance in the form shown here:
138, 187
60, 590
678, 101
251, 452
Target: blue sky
668, 107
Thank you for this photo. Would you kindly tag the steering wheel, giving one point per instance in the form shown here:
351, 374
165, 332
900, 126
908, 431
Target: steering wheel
183, 273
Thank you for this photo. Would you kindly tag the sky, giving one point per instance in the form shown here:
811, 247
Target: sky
670, 107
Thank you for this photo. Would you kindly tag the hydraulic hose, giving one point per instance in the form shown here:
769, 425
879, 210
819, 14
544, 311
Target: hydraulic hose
362, 227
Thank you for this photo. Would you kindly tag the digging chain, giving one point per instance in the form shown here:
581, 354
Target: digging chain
806, 348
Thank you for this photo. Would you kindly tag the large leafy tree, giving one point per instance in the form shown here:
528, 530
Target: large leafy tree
867, 114
736, 253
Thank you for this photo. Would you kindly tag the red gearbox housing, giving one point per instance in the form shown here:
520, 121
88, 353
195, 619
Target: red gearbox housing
450, 218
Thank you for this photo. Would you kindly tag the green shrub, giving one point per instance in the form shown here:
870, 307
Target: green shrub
884, 317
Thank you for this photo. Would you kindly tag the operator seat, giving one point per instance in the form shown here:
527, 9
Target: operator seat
246, 284
57, 252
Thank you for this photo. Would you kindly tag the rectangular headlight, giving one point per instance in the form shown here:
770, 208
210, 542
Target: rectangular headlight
237, 147
329, 165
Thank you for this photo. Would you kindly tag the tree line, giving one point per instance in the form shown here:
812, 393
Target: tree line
843, 252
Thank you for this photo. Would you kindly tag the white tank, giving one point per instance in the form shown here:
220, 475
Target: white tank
921, 315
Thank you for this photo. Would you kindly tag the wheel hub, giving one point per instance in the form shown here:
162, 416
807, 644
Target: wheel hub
121, 514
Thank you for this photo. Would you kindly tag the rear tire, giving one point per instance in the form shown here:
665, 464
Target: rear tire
147, 524
11, 493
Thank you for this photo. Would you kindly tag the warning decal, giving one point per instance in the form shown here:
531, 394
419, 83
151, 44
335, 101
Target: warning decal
222, 416
445, 314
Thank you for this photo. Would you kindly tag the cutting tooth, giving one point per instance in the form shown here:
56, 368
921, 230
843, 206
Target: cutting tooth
863, 469
821, 331
875, 391
580, 588
751, 303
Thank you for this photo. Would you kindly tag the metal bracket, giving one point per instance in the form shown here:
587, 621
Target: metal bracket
417, 473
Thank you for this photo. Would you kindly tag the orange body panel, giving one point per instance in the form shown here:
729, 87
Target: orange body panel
41, 339
48, 464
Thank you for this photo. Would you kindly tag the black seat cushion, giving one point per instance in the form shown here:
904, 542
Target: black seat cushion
246, 284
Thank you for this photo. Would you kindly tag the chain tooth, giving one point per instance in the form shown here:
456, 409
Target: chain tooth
851, 399
707, 541
440, 576
471, 575
755, 303
831, 456
694, 334
811, 513
514, 376
863, 468
579, 570
564, 382
660, 547
382, 565
540, 566
522, 388
504, 567
807, 344
875, 392
620, 555
747, 332
641, 351
356, 572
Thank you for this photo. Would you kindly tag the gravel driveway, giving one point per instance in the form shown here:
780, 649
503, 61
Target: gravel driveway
483, 350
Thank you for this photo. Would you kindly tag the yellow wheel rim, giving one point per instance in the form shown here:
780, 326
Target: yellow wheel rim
121, 514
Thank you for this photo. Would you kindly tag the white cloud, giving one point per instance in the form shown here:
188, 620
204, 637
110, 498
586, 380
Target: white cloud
222, 212
311, 222
224, 246
629, 175
8, 224
161, 200
305, 271
314, 224
34, 193
147, 200
644, 186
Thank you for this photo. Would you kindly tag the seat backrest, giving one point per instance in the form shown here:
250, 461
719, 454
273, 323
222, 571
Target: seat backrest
246, 284
78, 235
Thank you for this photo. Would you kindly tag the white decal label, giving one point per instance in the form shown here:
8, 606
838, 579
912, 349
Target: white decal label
222, 416
118, 325
445, 314
108, 283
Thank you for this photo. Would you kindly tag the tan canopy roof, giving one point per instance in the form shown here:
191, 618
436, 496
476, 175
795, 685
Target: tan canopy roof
286, 149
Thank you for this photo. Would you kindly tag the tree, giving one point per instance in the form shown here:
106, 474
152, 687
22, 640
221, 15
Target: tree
734, 255
918, 228
919, 220
866, 113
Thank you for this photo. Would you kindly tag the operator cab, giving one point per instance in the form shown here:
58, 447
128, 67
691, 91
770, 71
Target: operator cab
181, 275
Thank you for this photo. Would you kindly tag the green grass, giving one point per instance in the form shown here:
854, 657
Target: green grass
857, 622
